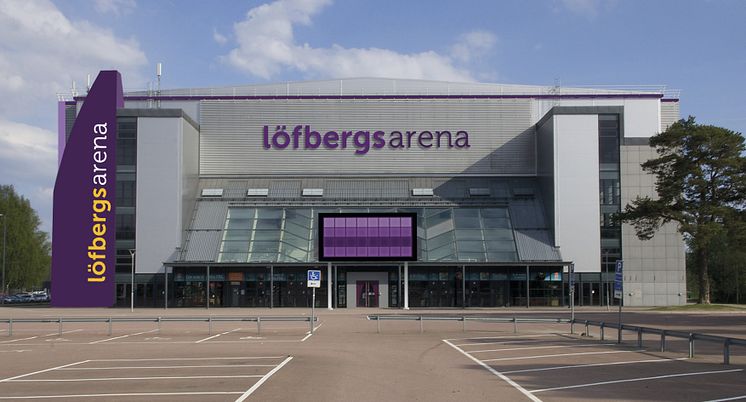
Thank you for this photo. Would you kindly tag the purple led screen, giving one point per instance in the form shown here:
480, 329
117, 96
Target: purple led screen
358, 237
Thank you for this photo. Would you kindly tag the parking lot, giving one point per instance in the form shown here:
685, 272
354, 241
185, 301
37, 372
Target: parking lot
346, 358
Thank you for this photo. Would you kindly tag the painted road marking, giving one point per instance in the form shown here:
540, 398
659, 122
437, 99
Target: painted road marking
495, 372
184, 358
140, 378
563, 354
541, 347
15, 351
658, 377
43, 371
588, 365
732, 398
20, 339
168, 367
263, 379
120, 337
252, 337
215, 336
500, 337
60, 333
131, 394
307, 336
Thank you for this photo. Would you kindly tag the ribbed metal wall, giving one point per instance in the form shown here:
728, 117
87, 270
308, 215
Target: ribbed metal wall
669, 114
500, 134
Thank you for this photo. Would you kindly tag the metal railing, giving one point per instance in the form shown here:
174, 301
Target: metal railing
463, 319
691, 337
159, 320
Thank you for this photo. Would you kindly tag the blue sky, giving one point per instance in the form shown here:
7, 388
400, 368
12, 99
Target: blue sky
698, 47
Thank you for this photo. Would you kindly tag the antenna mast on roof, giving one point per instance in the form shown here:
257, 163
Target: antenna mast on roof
158, 72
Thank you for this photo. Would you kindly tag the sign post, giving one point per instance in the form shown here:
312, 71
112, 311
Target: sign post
619, 293
571, 285
314, 281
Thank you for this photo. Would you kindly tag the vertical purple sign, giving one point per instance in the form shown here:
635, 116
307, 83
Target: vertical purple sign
83, 232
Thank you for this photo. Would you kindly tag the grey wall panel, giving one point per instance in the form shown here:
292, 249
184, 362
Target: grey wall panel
669, 114
527, 214
501, 138
534, 245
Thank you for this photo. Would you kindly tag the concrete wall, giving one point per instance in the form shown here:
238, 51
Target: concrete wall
654, 270
577, 210
166, 187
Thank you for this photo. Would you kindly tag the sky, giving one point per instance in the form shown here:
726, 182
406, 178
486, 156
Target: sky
697, 47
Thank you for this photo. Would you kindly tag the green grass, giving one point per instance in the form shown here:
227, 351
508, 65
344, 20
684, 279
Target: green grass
702, 307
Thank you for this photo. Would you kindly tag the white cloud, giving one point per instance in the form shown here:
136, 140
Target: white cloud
219, 38
116, 7
473, 45
589, 9
41, 52
267, 46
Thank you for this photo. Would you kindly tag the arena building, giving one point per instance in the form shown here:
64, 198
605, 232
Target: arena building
508, 191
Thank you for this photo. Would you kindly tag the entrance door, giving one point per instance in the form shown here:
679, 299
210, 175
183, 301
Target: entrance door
367, 293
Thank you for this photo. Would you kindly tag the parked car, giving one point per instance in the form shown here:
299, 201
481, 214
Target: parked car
24, 297
40, 296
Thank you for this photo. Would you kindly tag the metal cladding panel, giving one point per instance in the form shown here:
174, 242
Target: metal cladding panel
366, 189
285, 189
210, 215
501, 137
527, 214
202, 245
669, 114
535, 245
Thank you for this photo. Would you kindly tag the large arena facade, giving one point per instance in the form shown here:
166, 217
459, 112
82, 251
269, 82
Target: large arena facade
511, 189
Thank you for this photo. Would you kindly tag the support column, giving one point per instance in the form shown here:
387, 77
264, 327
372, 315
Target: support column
463, 286
406, 285
165, 287
207, 290
528, 289
271, 286
329, 286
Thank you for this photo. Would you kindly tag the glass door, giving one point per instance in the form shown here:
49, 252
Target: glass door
367, 293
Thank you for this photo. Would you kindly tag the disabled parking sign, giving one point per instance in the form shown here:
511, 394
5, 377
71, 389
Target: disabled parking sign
314, 278
618, 279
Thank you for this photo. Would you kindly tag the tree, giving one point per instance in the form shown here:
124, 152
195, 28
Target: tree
27, 258
701, 186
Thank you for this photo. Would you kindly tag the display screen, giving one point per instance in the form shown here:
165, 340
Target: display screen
368, 237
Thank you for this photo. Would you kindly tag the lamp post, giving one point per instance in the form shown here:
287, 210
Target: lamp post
5, 235
132, 286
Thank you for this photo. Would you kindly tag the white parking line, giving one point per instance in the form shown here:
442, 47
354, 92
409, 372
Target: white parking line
43, 371
20, 339
658, 377
185, 358
502, 337
495, 372
63, 332
120, 337
306, 337
562, 354
130, 394
191, 377
215, 336
167, 367
585, 365
262, 380
733, 398
541, 347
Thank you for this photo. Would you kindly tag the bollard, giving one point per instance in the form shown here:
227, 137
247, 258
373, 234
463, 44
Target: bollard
726, 351
587, 330
378, 323
463, 324
691, 345
159, 325
601, 330
209, 325
310, 320
639, 338
109, 326
258, 325
663, 340
572, 326
422, 329
59, 329
515, 326
10, 327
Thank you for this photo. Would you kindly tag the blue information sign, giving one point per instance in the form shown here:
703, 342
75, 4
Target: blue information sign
618, 279
314, 278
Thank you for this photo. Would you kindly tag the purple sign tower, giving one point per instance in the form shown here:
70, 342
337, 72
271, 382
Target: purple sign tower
83, 252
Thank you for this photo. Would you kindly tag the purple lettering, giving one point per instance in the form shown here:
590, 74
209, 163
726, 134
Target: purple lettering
266, 137
362, 146
378, 140
312, 134
441, 133
425, 136
330, 139
462, 139
280, 133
